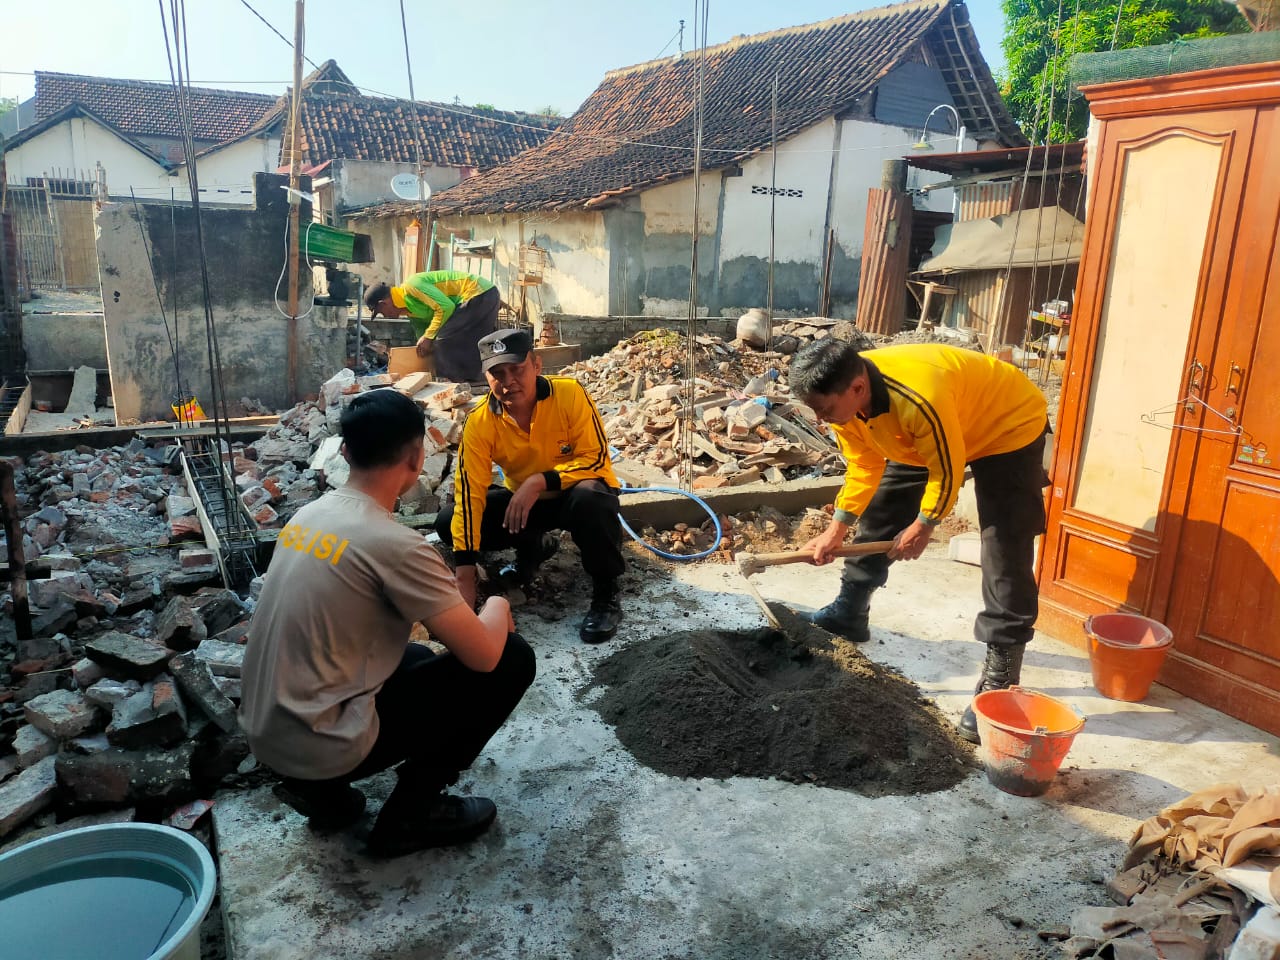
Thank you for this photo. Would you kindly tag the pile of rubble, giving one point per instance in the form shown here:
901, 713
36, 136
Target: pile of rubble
738, 423
122, 698
301, 457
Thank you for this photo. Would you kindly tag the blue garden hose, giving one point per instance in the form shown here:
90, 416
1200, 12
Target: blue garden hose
715, 544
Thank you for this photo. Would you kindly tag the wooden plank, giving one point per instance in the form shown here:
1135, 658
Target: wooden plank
18, 419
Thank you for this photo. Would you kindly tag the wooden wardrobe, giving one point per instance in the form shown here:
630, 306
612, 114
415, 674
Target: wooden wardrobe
1165, 494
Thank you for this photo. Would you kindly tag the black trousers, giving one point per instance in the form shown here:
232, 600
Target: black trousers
436, 715
456, 355
588, 510
1011, 514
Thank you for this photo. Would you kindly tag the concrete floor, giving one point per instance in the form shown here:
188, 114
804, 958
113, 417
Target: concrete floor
596, 856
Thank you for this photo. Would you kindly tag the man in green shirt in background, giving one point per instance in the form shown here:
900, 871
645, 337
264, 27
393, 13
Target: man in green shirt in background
449, 310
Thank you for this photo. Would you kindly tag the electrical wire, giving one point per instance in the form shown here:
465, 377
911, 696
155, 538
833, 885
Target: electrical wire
306, 240
684, 557
246, 5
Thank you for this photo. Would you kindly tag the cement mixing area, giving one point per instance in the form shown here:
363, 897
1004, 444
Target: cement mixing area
721, 780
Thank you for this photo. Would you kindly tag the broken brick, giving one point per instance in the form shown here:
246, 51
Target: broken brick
117, 777
152, 717
31, 745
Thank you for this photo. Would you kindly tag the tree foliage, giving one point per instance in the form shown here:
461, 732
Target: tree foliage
1036, 82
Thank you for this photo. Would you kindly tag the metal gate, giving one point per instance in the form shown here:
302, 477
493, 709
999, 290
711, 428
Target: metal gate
53, 223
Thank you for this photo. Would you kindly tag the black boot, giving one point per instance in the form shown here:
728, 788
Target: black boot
1002, 670
326, 805
419, 815
601, 621
846, 615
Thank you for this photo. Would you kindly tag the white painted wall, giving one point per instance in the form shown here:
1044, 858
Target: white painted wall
226, 176
577, 273
803, 164
363, 183
78, 144
864, 146
668, 209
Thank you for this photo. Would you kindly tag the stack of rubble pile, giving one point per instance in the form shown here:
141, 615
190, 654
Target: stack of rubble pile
121, 696
744, 426
142, 721
298, 459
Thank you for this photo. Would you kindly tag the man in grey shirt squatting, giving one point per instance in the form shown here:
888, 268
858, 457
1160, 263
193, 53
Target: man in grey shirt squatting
333, 692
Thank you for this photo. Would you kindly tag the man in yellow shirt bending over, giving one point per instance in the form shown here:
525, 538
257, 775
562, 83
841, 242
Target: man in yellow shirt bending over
908, 420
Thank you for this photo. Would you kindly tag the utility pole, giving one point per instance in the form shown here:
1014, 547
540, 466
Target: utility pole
295, 200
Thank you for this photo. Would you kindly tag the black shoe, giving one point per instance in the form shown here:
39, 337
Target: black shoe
444, 821
326, 805
848, 615
1002, 669
602, 619
521, 573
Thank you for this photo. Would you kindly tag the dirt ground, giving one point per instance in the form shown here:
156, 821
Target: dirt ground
798, 705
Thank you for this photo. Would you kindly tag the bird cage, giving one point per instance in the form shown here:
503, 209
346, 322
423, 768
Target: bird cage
533, 263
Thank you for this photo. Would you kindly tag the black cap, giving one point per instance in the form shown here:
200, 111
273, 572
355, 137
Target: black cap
504, 346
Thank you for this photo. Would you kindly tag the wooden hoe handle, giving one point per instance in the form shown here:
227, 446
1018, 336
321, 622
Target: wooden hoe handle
751, 563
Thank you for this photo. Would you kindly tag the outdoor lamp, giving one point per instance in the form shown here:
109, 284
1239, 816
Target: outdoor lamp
924, 144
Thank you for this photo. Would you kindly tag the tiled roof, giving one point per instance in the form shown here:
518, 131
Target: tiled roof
354, 127
339, 123
636, 129
147, 109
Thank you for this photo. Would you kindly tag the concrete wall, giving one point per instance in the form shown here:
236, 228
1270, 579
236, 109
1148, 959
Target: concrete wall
245, 253
62, 341
576, 279
823, 176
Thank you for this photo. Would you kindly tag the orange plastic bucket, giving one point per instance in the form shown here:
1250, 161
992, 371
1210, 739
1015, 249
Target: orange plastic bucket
1025, 737
1126, 652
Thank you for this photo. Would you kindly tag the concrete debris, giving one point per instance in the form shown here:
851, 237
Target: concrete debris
31, 745
153, 717
223, 659
197, 683
61, 714
179, 626
25, 795
107, 693
133, 657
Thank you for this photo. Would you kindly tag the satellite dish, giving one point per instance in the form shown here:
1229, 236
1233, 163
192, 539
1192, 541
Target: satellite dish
407, 186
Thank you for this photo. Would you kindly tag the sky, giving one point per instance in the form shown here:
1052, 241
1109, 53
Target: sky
511, 54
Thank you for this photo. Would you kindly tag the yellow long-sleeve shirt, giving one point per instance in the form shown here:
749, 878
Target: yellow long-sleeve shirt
566, 443
938, 407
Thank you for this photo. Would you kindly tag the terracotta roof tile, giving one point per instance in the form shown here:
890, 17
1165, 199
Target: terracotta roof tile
355, 127
145, 109
636, 129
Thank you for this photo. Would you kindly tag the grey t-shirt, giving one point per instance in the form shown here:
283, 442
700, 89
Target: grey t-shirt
339, 600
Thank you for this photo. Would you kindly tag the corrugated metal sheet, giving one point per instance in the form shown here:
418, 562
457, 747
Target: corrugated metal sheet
979, 301
886, 248
981, 201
